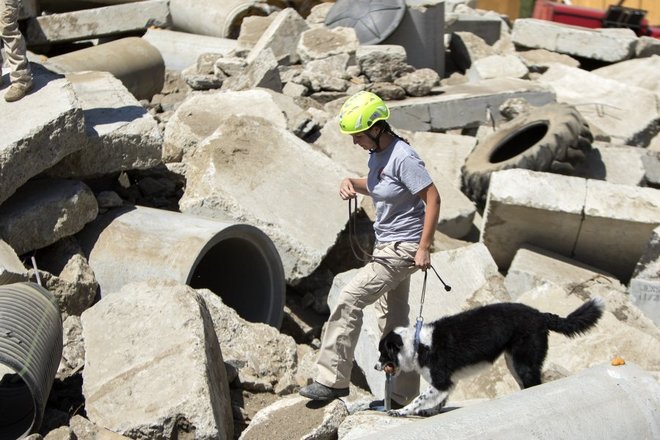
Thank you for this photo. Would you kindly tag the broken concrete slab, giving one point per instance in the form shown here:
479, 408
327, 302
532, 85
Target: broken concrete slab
282, 37
43, 211
121, 134
620, 164
199, 115
608, 45
639, 72
263, 72
169, 378
93, 23
33, 141
599, 223
618, 223
624, 113
644, 286
132, 60
322, 42
180, 49
496, 66
242, 172
532, 267
464, 105
11, 267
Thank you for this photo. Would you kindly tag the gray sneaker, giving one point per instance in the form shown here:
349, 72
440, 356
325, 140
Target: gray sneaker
17, 91
317, 391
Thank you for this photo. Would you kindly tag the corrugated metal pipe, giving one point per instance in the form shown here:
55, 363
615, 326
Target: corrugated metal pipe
30, 352
238, 262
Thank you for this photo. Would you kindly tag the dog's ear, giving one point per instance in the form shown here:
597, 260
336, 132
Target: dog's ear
389, 347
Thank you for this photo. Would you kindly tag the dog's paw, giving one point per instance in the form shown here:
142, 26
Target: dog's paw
396, 413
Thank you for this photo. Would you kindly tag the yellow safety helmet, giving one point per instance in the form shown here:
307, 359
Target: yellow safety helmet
361, 111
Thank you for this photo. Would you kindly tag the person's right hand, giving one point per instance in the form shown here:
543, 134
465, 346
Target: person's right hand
346, 189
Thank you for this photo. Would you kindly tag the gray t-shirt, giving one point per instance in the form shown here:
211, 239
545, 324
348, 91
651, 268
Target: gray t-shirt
396, 175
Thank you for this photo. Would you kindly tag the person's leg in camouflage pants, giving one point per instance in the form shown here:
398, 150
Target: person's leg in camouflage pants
15, 51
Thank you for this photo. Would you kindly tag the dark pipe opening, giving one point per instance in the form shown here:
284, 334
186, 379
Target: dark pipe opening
243, 268
17, 410
519, 141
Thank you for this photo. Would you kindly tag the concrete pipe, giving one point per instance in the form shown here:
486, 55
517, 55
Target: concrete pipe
30, 352
236, 261
602, 402
213, 17
133, 61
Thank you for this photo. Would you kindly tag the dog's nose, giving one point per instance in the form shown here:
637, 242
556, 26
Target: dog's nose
378, 367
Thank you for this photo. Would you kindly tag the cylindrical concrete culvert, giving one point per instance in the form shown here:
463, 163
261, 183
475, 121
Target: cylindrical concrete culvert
30, 352
132, 60
238, 262
216, 19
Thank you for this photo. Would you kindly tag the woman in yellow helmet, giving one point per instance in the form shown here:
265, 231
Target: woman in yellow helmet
407, 208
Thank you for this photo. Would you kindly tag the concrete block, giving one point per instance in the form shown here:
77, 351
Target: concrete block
464, 105
486, 27
530, 207
121, 134
622, 165
608, 45
496, 66
33, 141
626, 397
281, 36
180, 49
626, 114
604, 225
639, 72
44, 211
97, 22
222, 183
618, 223
532, 267
11, 267
644, 287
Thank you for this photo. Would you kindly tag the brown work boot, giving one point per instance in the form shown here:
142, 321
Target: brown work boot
17, 91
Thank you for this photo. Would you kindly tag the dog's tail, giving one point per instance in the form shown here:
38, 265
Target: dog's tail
579, 321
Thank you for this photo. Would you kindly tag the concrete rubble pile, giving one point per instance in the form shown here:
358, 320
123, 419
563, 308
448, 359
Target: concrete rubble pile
214, 124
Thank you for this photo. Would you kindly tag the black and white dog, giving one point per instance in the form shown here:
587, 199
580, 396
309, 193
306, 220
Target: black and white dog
455, 346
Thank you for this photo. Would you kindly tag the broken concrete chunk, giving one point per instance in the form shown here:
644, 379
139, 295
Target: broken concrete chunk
238, 173
602, 224
322, 42
11, 267
153, 364
121, 134
625, 113
281, 36
45, 210
496, 66
99, 22
644, 287
199, 115
32, 142
609, 45
383, 63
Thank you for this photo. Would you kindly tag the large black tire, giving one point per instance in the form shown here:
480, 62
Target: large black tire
551, 138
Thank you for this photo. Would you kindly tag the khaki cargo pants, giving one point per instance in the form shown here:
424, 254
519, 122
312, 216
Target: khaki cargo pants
13, 43
387, 286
